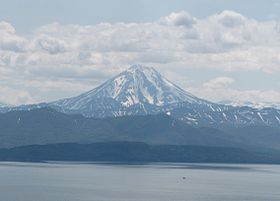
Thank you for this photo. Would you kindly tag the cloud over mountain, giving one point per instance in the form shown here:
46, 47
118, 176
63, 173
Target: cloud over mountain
224, 42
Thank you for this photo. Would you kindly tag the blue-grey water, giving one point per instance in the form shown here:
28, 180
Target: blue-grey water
150, 182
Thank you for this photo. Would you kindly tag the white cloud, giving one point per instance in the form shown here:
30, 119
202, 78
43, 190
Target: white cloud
227, 41
219, 82
235, 95
6, 27
221, 89
231, 19
9, 41
178, 19
15, 96
50, 44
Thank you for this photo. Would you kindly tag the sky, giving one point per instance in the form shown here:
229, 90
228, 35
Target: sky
216, 49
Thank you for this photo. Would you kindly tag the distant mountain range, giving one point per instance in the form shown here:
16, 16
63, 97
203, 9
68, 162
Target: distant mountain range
257, 105
48, 126
142, 90
140, 106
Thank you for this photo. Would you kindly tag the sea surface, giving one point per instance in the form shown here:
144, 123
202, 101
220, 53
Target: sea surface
138, 182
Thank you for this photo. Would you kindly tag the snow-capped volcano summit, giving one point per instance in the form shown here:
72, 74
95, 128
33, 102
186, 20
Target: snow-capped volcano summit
137, 90
144, 85
141, 90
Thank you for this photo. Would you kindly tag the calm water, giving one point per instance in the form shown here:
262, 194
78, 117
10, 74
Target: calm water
160, 182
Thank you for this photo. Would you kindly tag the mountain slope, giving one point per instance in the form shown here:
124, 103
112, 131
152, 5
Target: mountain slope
142, 90
5, 107
47, 126
219, 116
138, 90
